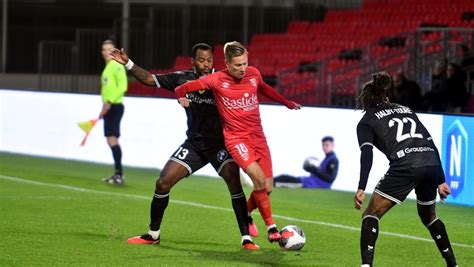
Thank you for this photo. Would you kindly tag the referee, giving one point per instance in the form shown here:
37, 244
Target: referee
113, 86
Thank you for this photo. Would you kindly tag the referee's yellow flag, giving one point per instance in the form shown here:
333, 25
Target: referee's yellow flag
86, 126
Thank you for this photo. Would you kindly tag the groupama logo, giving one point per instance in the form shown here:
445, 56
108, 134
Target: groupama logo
456, 157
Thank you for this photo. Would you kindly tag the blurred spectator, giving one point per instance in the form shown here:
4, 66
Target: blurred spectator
456, 88
467, 65
467, 62
435, 100
405, 92
322, 175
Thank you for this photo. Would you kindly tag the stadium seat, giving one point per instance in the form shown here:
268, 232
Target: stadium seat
321, 42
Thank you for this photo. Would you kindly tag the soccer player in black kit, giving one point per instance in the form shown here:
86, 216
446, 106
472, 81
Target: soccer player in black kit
414, 164
204, 143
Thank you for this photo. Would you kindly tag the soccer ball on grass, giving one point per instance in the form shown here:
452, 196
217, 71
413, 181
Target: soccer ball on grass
293, 238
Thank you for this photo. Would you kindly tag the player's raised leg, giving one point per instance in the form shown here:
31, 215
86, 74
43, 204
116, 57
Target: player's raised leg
265, 162
369, 232
172, 173
261, 199
230, 173
427, 213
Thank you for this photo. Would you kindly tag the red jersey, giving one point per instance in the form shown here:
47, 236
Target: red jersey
236, 99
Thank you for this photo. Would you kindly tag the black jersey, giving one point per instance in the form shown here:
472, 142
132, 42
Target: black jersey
398, 133
204, 125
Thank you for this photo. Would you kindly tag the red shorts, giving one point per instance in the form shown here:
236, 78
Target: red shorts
245, 151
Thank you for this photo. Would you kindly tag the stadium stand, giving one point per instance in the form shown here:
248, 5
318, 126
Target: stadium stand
325, 62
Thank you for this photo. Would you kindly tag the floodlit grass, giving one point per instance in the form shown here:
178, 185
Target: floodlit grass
69, 217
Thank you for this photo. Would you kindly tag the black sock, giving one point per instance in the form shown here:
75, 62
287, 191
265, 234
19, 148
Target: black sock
439, 235
117, 153
157, 209
368, 236
239, 204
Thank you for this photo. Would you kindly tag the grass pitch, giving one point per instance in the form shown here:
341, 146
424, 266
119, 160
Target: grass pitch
57, 212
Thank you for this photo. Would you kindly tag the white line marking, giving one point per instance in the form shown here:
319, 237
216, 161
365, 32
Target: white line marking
196, 204
37, 197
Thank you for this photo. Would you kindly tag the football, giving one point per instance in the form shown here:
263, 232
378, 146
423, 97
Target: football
293, 238
311, 161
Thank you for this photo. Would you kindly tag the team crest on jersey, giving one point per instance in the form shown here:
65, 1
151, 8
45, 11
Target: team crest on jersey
225, 85
254, 82
202, 91
222, 155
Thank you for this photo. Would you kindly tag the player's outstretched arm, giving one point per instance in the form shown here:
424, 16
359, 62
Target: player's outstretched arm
185, 88
140, 74
272, 94
190, 86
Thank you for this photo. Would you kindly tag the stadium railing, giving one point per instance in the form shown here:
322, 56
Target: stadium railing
337, 81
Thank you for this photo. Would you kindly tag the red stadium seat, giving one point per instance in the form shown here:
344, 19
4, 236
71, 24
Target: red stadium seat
280, 54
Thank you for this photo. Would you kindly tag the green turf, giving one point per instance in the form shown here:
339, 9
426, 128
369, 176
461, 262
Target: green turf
47, 225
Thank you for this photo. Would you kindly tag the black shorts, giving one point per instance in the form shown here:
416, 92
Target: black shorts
112, 120
397, 184
191, 156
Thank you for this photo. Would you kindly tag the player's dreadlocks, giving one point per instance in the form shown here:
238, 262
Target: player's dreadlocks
374, 93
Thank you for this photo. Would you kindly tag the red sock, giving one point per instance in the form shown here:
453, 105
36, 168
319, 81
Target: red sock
251, 205
263, 204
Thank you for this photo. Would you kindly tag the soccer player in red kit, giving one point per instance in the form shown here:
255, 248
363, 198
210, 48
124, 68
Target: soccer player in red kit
236, 93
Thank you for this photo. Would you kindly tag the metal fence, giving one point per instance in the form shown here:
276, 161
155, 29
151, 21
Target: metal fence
414, 56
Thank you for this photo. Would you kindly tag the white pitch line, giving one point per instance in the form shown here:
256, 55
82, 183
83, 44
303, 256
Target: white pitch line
196, 204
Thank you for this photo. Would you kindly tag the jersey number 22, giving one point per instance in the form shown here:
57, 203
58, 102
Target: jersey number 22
400, 123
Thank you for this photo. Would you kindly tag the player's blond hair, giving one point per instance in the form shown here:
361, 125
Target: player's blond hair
233, 49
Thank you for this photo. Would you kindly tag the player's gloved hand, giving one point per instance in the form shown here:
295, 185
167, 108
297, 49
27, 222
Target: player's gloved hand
184, 102
359, 199
310, 164
119, 55
444, 191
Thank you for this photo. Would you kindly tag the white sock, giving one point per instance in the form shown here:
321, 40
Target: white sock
154, 234
245, 237
365, 265
271, 226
